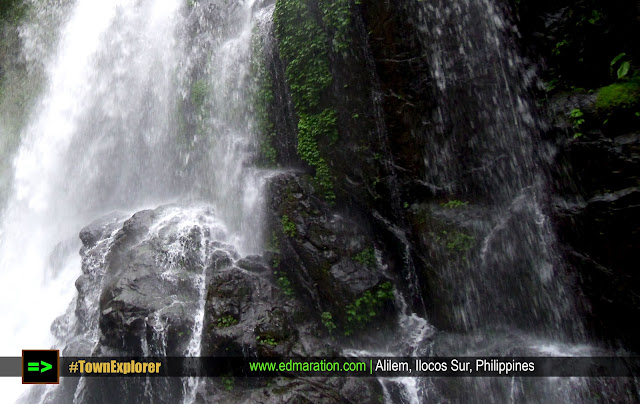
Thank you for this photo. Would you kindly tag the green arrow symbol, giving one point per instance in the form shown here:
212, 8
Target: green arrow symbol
45, 366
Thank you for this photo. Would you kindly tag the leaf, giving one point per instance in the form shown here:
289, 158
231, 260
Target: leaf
624, 69
617, 58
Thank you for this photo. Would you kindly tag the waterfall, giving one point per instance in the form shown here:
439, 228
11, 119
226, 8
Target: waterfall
143, 136
501, 282
486, 148
144, 103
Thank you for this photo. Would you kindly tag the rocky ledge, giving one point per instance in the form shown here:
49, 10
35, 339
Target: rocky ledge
169, 282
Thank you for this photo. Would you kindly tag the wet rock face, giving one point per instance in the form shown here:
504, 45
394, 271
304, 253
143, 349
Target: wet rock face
602, 237
595, 174
595, 208
151, 286
246, 314
152, 281
329, 258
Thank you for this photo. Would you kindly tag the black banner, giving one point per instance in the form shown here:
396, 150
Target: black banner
354, 367
336, 367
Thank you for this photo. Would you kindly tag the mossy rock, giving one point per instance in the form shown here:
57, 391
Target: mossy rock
618, 98
12, 10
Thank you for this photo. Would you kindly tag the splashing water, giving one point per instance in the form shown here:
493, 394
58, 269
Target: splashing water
144, 103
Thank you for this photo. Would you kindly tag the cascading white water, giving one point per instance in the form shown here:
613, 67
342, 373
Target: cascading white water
485, 147
108, 133
498, 275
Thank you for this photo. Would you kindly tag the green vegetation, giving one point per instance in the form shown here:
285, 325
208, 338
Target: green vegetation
367, 307
310, 127
618, 96
263, 100
12, 10
226, 321
455, 241
288, 227
454, 204
199, 92
273, 244
304, 47
266, 340
337, 17
366, 257
284, 283
327, 321
577, 119
228, 383
458, 241
623, 68
557, 50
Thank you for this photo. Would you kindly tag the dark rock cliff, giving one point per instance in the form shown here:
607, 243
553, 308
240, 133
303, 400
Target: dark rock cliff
592, 102
376, 165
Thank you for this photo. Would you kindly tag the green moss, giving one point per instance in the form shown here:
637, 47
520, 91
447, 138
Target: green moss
337, 17
304, 46
284, 284
266, 340
367, 307
327, 321
618, 96
310, 128
228, 383
288, 227
366, 257
457, 241
454, 204
263, 101
226, 321
12, 10
199, 92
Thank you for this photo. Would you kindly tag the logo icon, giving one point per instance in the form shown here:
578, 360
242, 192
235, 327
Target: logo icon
41, 366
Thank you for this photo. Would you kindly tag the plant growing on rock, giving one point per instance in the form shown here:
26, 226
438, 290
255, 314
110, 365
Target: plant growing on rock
455, 241
454, 204
327, 321
366, 257
288, 227
266, 340
12, 10
460, 242
623, 67
263, 99
228, 383
367, 307
577, 119
303, 43
618, 96
226, 321
284, 283
199, 91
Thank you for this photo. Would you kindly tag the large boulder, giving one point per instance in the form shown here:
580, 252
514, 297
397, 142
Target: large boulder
168, 282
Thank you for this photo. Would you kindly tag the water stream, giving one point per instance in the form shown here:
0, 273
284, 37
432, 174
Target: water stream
144, 103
